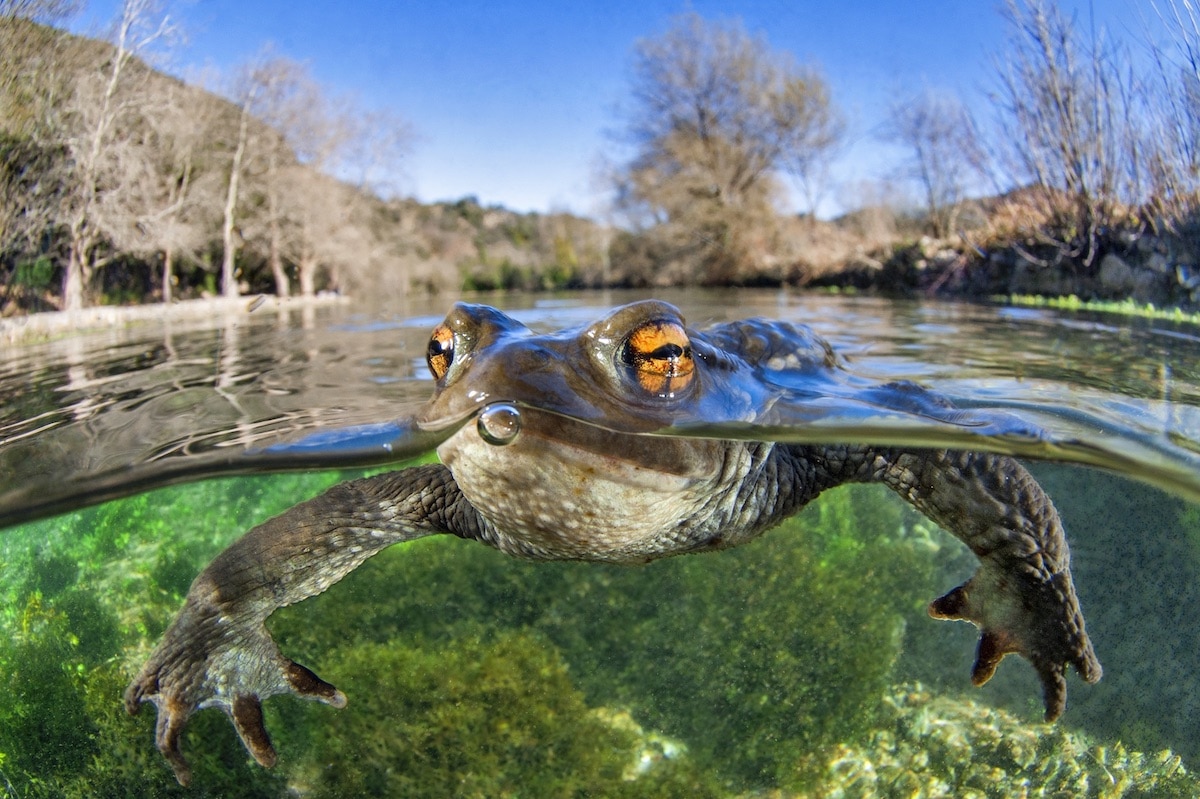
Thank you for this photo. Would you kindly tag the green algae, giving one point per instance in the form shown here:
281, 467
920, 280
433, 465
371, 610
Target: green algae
1126, 307
84, 596
470, 673
782, 646
470, 718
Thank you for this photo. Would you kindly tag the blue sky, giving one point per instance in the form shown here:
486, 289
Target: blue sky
512, 100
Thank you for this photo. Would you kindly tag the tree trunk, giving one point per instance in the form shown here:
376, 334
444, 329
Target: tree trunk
167, 276
229, 285
282, 288
83, 238
75, 278
307, 268
308, 276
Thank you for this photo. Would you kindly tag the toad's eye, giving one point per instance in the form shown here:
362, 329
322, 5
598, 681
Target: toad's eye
660, 356
441, 351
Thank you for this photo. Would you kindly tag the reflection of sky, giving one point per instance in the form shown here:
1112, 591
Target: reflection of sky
512, 100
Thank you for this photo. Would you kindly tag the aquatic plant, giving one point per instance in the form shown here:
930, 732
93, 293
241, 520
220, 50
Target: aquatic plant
1139, 570
1126, 307
756, 668
930, 745
84, 593
1136, 560
471, 718
64, 734
43, 726
783, 646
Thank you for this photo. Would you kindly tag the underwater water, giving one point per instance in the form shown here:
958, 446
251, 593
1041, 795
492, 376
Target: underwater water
803, 664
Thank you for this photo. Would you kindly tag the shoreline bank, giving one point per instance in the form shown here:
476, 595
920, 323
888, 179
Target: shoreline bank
49, 323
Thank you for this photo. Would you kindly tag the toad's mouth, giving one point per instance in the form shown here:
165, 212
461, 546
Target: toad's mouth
504, 429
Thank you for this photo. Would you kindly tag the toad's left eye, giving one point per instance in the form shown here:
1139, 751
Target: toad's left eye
660, 355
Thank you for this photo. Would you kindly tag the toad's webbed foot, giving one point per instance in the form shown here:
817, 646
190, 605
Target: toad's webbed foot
218, 653
203, 661
1020, 614
1022, 598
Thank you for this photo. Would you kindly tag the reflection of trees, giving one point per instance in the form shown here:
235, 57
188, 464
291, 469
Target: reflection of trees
132, 407
140, 403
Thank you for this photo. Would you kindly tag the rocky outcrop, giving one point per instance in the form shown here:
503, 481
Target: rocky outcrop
1158, 269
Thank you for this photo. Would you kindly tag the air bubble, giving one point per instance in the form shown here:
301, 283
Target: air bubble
499, 423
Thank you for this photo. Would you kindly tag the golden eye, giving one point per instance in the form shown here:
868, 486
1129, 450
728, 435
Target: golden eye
661, 357
440, 354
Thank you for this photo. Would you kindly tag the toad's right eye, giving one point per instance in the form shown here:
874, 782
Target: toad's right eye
440, 354
661, 357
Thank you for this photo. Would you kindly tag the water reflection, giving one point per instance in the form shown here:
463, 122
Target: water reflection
163, 401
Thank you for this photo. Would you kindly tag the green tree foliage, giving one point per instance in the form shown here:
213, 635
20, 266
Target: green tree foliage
715, 116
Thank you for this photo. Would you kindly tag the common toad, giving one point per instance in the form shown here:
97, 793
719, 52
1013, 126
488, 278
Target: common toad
556, 468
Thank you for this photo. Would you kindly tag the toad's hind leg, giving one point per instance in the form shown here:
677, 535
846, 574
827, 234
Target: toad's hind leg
1022, 597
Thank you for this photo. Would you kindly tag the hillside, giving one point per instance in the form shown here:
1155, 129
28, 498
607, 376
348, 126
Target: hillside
120, 184
153, 202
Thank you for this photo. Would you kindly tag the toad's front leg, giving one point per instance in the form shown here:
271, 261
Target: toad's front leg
218, 653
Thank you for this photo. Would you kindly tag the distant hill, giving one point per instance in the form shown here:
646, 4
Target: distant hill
352, 239
136, 175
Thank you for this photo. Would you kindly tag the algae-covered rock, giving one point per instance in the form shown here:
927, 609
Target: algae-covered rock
930, 746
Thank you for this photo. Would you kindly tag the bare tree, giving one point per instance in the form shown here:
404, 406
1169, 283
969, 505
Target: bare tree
31, 68
271, 85
330, 233
307, 217
281, 102
169, 203
379, 140
716, 114
229, 236
296, 110
1063, 109
35, 76
817, 138
28, 211
187, 196
946, 155
1172, 146
99, 107
47, 12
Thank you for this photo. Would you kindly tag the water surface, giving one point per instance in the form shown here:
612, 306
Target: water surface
93, 417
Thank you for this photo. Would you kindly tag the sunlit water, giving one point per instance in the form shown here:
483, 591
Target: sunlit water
790, 663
